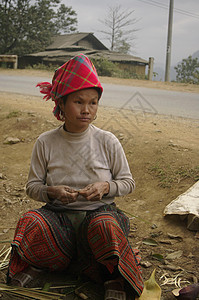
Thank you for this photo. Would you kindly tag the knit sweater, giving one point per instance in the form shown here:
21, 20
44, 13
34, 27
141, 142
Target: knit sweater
76, 160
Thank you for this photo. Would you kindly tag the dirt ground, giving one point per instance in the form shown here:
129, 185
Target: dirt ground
163, 156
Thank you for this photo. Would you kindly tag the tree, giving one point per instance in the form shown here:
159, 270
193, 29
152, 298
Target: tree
119, 28
188, 70
27, 26
65, 24
121, 45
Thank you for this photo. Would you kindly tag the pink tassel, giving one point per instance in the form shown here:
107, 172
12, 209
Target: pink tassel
45, 88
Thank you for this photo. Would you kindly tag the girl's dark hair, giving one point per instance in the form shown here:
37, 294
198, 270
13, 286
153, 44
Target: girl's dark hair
96, 88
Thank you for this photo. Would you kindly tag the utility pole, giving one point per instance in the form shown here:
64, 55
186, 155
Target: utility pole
169, 38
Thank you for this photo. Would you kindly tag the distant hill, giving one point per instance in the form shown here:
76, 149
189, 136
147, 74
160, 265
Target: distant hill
196, 54
159, 69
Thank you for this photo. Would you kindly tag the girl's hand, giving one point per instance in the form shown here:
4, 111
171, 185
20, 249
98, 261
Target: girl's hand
95, 191
63, 193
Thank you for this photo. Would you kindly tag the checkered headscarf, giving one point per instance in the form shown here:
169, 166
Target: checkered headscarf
76, 74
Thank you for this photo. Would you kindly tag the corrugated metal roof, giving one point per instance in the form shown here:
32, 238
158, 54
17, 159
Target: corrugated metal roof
92, 54
68, 40
119, 57
66, 46
70, 51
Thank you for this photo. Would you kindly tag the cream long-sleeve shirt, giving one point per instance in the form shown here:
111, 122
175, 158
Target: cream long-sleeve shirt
76, 160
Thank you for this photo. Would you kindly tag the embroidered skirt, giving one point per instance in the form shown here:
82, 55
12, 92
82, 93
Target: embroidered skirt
47, 239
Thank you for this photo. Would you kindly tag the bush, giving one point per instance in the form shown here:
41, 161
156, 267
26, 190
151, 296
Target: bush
103, 66
107, 68
44, 67
188, 70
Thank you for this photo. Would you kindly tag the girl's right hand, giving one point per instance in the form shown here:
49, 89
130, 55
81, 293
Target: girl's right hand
63, 193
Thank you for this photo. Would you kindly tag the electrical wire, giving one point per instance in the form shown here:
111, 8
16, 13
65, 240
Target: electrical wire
178, 10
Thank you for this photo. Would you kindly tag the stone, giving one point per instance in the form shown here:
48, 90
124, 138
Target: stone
11, 140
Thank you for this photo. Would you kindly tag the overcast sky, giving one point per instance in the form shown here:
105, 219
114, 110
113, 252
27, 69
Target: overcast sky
151, 39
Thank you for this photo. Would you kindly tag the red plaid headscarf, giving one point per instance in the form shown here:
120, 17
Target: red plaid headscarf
76, 74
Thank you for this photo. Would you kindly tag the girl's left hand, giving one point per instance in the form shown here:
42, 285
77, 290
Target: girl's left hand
95, 191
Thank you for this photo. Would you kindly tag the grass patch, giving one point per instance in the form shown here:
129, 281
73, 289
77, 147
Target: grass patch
13, 114
167, 175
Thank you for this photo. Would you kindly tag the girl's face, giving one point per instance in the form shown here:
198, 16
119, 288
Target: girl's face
80, 109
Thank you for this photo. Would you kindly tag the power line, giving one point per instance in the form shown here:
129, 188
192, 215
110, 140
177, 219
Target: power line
178, 10
155, 4
183, 12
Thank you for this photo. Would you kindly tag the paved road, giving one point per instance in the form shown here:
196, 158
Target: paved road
127, 97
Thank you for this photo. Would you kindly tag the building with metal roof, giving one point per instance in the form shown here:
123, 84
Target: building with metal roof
64, 47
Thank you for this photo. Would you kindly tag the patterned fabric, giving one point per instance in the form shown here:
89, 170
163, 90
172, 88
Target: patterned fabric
44, 239
47, 239
76, 74
107, 240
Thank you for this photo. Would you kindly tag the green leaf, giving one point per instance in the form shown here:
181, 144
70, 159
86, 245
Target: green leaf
158, 256
150, 242
46, 286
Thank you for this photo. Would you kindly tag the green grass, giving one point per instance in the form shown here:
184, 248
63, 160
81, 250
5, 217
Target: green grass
168, 175
13, 114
